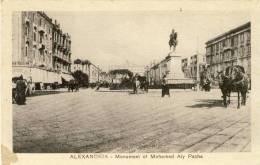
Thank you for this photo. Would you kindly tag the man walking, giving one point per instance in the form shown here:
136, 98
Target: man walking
165, 88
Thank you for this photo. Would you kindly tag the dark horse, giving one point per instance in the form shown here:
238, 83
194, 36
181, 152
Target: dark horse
233, 80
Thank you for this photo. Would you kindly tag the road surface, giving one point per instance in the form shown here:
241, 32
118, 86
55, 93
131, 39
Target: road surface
114, 122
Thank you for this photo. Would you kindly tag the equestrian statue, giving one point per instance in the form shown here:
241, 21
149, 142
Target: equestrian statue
173, 40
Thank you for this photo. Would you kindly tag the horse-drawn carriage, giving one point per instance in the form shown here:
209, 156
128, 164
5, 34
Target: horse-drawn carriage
233, 79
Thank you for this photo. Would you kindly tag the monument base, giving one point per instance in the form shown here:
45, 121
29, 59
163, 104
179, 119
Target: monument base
175, 75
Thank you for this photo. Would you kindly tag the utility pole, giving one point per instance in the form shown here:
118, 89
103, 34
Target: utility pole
197, 71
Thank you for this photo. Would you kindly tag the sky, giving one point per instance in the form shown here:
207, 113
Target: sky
140, 37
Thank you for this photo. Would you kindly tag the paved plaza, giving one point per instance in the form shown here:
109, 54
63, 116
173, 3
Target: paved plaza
111, 122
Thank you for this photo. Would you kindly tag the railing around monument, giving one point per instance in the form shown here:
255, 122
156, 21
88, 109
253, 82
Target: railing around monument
181, 83
175, 84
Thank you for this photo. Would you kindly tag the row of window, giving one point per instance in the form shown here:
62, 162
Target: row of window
242, 50
235, 40
38, 37
38, 20
61, 66
244, 63
229, 55
57, 37
61, 40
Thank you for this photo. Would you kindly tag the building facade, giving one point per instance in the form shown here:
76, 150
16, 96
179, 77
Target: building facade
88, 68
94, 73
33, 48
230, 48
185, 68
197, 65
61, 49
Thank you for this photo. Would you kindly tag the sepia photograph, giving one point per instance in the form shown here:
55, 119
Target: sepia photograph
131, 81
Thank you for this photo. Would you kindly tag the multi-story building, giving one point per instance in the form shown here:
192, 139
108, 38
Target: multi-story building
88, 68
230, 48
185, 68
94, 73
33, 46
197, 64
61, 49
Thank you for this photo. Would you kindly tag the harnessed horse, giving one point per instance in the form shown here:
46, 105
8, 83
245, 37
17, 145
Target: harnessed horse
233, 80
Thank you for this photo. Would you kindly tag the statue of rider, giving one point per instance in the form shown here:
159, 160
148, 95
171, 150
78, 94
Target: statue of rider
173, 40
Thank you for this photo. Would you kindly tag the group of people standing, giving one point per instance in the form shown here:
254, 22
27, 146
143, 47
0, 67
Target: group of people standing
138, 84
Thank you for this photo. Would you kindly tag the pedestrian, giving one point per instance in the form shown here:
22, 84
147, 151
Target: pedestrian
137, 84
13, 91
21, 87
98, 86
134, 85
146, 85
165, 88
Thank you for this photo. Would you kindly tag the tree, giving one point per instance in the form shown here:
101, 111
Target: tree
81, 77
77, 62
125, 82
122, 72
85, 63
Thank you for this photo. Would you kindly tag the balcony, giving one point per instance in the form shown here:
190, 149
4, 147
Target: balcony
248, 42
34, 43
27, 38
34, 25
26, 19
228, 47
41, 29
41, 46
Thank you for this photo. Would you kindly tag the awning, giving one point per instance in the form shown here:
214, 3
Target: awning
24, 71
66, 77
37, 75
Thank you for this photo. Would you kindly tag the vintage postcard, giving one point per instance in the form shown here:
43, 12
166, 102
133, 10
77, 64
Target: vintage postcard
105, 82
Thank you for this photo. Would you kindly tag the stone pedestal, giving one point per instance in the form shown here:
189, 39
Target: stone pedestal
174, 73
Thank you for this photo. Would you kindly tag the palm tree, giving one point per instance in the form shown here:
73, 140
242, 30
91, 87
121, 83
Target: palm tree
77, 62
85, 62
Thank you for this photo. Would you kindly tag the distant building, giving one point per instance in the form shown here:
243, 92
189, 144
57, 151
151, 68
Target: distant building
197, 64
185, 68
135, 69
171, 67
88, 68
94, 73
230, 48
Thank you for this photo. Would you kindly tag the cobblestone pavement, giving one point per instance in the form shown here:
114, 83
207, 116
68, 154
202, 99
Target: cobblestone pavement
89, 121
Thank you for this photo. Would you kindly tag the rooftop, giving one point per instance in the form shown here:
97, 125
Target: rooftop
246, 25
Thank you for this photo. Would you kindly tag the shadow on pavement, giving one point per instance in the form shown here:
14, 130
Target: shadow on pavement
207, 103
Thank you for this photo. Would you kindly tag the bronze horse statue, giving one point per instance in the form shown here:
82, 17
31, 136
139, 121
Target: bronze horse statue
173, 40
233, 80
